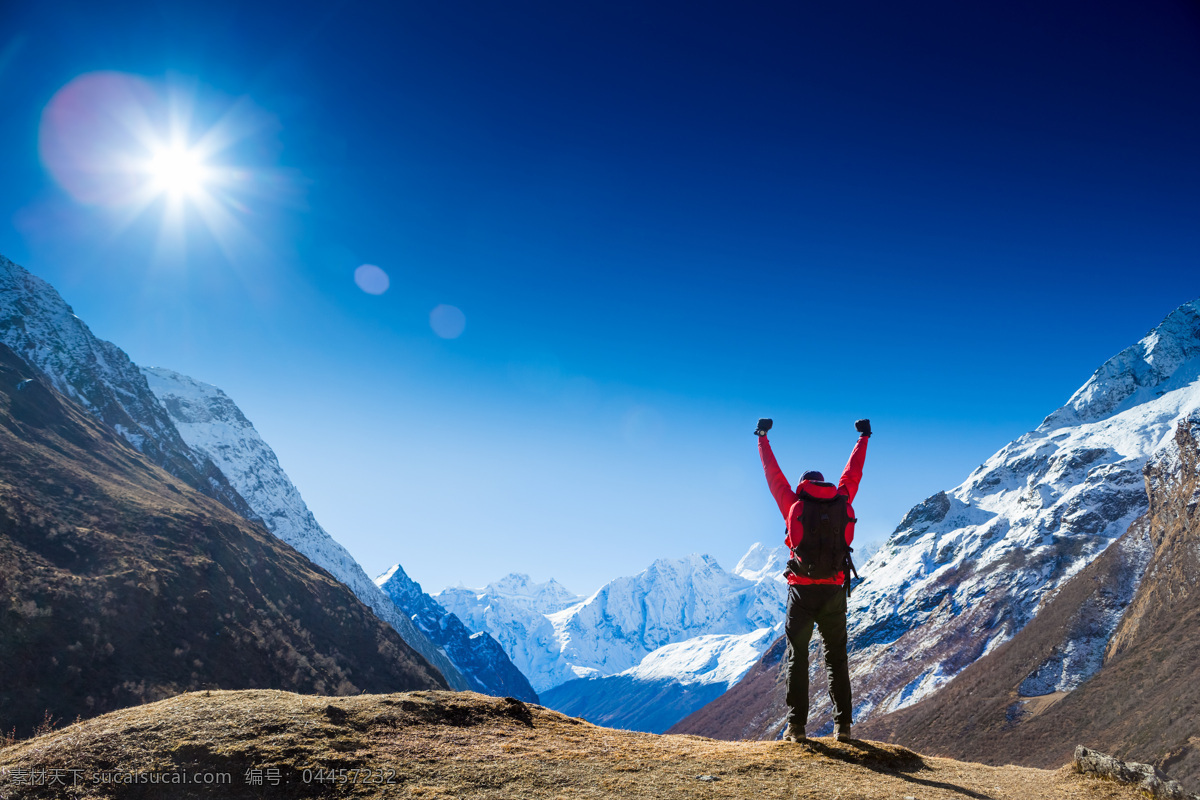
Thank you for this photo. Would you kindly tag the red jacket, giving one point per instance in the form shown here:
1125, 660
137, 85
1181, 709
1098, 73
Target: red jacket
788, 500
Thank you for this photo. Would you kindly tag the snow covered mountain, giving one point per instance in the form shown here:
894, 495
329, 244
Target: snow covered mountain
515, 611
42, 329
477, 655
555, 637
1131, 620
967, 569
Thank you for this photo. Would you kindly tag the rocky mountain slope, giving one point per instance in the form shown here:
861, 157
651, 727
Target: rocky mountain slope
480, 657
38, 325
122, 584
1121, 679
257, 744
967, 569
215, 428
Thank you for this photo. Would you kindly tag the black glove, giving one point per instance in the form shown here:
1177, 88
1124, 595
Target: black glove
764, 425
863, 426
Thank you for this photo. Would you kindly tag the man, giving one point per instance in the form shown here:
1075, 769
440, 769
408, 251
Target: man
818, 580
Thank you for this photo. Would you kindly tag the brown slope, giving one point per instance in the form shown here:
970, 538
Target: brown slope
120, 584
261, 744
1143, 704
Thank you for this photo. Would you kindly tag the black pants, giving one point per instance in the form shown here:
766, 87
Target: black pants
824, 606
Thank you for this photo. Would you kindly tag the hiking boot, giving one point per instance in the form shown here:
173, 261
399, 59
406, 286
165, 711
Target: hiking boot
843, 732
794, 733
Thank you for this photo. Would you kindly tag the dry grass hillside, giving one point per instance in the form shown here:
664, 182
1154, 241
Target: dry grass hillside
272, 744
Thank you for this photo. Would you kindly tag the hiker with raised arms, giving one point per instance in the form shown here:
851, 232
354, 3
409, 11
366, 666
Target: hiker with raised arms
820, 528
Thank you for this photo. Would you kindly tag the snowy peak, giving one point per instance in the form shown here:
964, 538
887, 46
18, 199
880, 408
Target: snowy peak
763, 562
544, 598
193, 400
478, 656
212, 424
1165, 359
714, 658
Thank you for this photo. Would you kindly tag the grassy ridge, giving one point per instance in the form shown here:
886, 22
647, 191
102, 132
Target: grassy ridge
450, 745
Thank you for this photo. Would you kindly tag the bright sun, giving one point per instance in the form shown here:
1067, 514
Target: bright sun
178, 172
147, 146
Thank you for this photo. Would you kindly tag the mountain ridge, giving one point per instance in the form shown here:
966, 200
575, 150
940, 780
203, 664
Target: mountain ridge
555, 637
481, 659
41, 328
197, 432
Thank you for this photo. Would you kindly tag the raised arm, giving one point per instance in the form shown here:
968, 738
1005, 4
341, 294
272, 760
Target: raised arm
852, 474
781, 490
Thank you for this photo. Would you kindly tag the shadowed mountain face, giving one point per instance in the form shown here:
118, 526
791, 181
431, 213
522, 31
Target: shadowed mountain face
482, 661
1143, 703
121, 584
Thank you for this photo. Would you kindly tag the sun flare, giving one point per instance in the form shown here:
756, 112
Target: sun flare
178, 172
129, 145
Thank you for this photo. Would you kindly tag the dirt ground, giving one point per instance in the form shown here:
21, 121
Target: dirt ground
266, 744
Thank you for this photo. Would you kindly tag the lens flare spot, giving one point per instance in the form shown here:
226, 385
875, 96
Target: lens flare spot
371, 279
447, 321
91, 135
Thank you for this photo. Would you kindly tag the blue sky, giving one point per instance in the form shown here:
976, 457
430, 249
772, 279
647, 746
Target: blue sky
659, 222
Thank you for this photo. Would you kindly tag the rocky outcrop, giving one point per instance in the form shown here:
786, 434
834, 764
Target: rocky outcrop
1146, 777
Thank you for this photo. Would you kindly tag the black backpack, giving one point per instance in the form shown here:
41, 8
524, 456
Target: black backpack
823, 552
